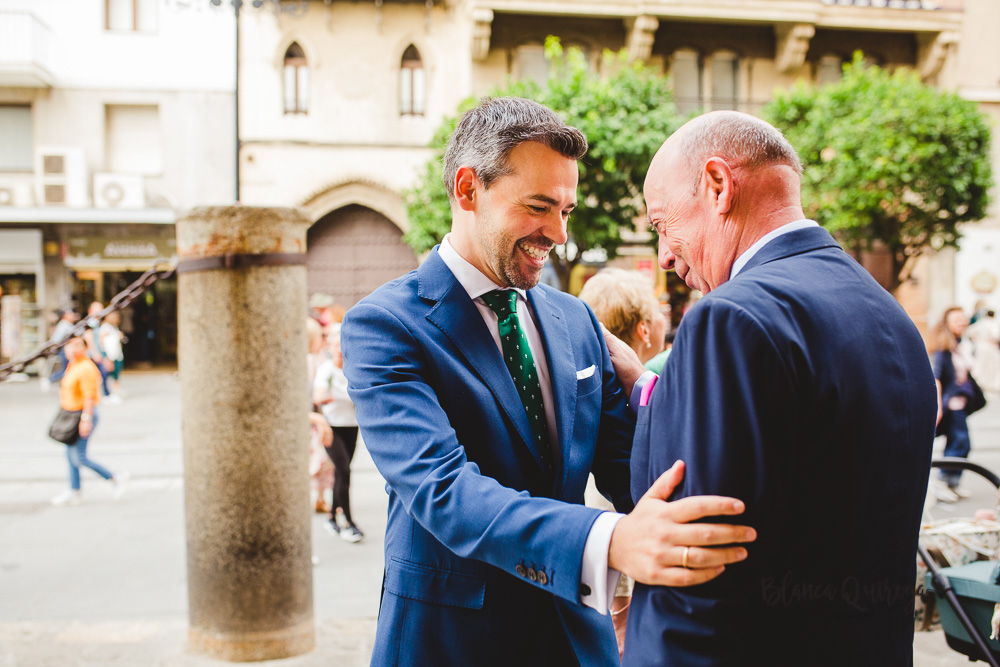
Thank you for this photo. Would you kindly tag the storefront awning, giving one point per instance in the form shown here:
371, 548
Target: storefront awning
60, 214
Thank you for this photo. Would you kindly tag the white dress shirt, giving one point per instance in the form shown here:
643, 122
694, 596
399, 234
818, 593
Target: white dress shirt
595, 555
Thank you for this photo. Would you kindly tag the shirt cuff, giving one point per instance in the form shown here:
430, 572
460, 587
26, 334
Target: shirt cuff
636, 396
598, 581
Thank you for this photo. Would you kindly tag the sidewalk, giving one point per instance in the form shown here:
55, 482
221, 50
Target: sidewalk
104, 584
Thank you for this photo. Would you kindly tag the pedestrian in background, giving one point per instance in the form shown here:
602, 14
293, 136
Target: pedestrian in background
56, 364
952, 360
92, 337
330, 393
78, 392
625, 303
320, 433
111, 342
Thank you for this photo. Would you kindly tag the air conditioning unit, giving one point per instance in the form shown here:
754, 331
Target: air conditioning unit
61, 177
119, 191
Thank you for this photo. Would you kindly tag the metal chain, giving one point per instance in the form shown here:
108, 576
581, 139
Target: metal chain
118, 302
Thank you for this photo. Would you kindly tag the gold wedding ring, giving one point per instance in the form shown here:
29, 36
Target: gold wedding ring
684, 560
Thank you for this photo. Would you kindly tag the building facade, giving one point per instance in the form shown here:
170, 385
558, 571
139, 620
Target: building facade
341, 98
115, 115
118, 115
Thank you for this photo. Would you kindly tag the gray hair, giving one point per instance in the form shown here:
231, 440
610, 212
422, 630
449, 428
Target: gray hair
741, 139
486, 134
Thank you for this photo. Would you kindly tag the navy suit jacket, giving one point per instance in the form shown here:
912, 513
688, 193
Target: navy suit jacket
483, 546
802, 388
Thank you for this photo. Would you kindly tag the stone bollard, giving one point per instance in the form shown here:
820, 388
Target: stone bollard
244, 400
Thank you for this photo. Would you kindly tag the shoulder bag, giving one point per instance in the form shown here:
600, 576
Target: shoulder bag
66, 426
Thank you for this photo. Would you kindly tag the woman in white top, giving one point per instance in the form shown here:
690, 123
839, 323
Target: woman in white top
111, 342
330, 393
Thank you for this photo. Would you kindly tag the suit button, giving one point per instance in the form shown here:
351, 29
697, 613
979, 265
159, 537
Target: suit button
584, 590
521, 571
532, 575
543, 578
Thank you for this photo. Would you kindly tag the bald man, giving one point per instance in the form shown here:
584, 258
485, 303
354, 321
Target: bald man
797, 384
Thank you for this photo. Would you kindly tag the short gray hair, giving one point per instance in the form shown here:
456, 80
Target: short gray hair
741, 139
487, 133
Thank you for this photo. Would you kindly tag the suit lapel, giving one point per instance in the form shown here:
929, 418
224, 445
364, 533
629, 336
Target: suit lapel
458, 318
552, 325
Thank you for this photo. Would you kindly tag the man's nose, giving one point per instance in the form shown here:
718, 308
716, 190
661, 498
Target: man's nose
666, 257
555, 227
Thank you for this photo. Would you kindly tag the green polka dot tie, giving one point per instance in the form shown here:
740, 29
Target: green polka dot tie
521, 364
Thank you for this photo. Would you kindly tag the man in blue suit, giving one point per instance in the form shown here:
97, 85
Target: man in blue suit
485, 400
797, 384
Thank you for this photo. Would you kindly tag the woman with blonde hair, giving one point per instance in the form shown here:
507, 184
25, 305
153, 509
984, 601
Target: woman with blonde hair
624, 302
952, 364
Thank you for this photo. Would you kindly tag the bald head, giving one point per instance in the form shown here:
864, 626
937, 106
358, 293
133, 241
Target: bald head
716, 186
740, 139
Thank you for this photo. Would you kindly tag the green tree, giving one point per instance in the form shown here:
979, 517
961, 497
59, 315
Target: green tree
626, 114
888, 160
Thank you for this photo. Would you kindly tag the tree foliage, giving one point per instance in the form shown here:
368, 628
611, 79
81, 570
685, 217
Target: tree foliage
888, 160
626, 114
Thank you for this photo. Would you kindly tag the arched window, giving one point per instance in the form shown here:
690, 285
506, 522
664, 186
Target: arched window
296, 80
412, 87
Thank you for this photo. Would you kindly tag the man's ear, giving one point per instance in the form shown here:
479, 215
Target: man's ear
721, 182
467, 187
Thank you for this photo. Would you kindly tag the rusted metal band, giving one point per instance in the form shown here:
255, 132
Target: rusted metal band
232, 260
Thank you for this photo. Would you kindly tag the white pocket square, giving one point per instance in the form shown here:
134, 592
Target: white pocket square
586, 372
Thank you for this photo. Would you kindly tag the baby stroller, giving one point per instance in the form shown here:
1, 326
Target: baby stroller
967, 596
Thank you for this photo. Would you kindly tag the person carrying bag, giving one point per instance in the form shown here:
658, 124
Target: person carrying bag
77, 418
958, 397
66, 426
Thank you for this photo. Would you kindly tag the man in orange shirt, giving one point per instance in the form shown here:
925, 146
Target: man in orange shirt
79, 392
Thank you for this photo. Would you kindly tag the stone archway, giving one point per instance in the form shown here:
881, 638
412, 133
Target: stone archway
352, 251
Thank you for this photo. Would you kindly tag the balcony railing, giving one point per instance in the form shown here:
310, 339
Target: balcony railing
24, 51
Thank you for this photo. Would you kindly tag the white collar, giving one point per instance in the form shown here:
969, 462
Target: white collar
469, 277
748, 254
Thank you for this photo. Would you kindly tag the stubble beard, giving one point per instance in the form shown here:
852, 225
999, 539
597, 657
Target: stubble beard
501, 251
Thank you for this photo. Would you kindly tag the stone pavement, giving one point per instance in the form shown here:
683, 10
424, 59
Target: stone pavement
104, 584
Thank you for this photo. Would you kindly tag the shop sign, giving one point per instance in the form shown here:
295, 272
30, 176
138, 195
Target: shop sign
103, 250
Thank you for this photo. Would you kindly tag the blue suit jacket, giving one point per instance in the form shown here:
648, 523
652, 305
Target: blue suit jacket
802, 388
483, 547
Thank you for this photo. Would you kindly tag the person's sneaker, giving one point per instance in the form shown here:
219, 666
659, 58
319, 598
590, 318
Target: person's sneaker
45, 384
961, 491
118, 484
351, 534
945, 494
332, 527
113, 399
68, 497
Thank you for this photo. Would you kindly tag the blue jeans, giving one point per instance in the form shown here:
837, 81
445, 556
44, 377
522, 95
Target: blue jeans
77, 455
957, 443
